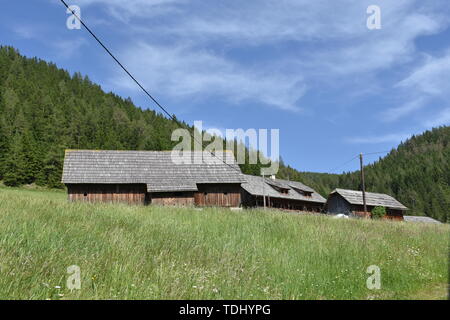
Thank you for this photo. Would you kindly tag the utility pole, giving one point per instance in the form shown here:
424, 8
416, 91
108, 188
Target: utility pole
363, 187
264, 192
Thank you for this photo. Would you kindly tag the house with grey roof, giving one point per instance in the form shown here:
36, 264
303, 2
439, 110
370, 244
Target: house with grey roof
350, 202
282, 194
152, 177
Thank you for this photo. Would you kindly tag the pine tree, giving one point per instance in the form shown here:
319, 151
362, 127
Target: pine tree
15, 164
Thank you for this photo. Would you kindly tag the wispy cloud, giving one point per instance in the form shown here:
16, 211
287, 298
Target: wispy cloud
442, 118
337, 46
377, 139
184, 72
68, 48
62, 47
124, 11
421, 87
431, 78
396, 113
26, 32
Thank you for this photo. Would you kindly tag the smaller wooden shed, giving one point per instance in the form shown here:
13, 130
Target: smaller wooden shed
350, 202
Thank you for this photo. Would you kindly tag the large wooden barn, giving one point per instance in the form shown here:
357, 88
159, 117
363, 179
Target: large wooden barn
350, 202
152, 177
282, 194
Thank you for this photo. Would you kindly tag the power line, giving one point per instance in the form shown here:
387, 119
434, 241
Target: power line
347, 162
119, 63
364, 154
378, 152
136, 81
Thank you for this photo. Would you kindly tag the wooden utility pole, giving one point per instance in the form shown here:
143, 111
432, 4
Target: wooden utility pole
264, 192
363, 186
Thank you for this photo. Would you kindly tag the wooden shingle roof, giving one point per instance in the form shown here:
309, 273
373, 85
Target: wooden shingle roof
257, 186
156, 169
372, 199
420, 219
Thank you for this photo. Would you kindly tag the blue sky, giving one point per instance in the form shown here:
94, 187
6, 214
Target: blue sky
312, 69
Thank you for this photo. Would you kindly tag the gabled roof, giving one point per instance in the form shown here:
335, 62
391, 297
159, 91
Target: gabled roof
257, 186
372, 199
156, 169
420, 219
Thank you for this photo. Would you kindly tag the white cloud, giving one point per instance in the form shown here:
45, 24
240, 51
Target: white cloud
396, 113
126, 10
68, 48
427, 82
184, 72
442, 118
26, 32
62, 47
432, 78
334, 46
377, 139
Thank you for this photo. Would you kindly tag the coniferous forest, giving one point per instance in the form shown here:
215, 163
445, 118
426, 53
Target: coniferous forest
45, 110
417, 173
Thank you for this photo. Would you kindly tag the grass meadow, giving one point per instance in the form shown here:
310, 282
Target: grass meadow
137, 252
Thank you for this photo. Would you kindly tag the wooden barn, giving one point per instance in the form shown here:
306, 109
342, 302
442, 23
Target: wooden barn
350, 202
152, 177
281, 194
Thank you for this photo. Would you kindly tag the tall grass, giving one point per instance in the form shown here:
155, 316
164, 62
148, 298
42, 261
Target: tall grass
137, 252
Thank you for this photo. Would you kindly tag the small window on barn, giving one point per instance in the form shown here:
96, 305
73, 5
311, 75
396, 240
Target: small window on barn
225, 193
279, 189
85, 194
205, 193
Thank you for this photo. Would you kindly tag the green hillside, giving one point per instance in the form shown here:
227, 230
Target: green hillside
44, 110
417, 173
151, 252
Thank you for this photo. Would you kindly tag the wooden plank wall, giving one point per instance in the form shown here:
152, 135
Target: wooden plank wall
362, 214
290, 204
220, 195
127, 193
172, 198
391, 214
393, 217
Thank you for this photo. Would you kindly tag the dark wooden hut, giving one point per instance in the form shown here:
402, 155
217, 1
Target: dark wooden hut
281, 194
152, 177
350, 202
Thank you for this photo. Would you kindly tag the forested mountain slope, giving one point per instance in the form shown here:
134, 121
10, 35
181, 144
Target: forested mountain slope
417, 173
44, 110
